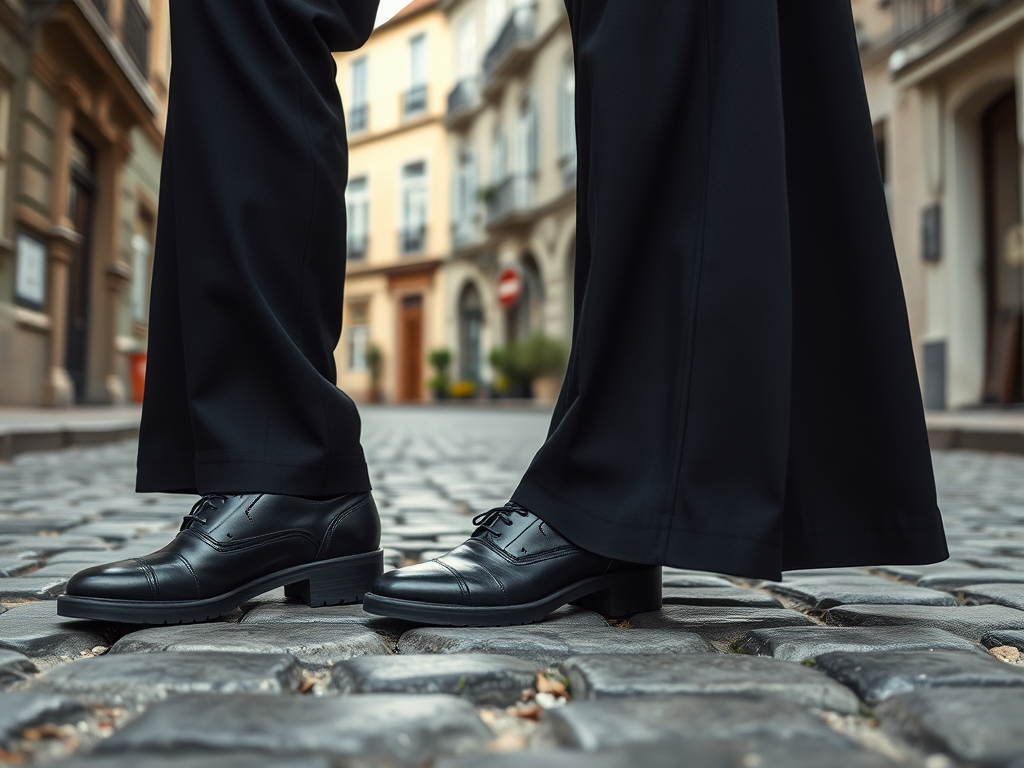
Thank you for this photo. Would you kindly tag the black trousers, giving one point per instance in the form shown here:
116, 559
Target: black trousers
250, 255
741, 394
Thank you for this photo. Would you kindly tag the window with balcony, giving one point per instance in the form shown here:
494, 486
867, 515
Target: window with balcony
357, 205
527, 148
495, 12
413, 232
135, 33
464, 193
359, 109
358, 334
415, 99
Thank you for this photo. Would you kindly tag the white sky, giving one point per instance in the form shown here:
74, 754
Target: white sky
389, 8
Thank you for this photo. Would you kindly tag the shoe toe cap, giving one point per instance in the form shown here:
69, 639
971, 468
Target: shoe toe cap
123, 580
428, 582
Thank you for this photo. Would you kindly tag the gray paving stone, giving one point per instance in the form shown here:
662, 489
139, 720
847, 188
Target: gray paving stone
875, 676
913, 573
978, 726
548, 644
15, 668
799, 643
35, 630
971, 622
717, 624
23, 709
232, 760
136, 679
31, 587
12, 565
743, 753
485, 679
718, 596
33, 525
821, 593
317, 646
671, 577
368, 729
1010, 595
964, 577
636, 722
606, 676
66, 542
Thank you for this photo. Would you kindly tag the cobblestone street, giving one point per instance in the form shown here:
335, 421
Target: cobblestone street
846, 668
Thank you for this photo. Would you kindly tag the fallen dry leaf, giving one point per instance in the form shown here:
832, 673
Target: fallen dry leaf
525, 711
308, 681
550, 685
12, 758
1007, 653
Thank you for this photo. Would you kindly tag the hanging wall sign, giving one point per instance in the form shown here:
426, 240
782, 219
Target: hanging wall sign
30, 271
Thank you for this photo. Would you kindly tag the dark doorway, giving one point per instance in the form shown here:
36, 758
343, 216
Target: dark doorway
81, 198
471, 322
410, 345
1004, 379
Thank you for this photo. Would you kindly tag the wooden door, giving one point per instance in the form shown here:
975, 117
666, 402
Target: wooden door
410, 343
81, 195
1004, 380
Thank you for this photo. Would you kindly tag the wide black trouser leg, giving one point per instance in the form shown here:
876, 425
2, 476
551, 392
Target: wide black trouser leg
741, 394
250, 255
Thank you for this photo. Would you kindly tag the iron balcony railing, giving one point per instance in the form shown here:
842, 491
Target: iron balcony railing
463, 98
135, 34
520, 27
466, 232
414, 101
358, 118
413, 239
511, 196
914, 18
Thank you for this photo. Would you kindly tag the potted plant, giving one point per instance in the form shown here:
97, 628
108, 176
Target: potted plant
375, 365
509, 380
439, 359
542, 361
463, 390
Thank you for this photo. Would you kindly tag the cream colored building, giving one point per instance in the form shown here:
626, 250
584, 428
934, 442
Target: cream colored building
394, 92
945, 80
510, 117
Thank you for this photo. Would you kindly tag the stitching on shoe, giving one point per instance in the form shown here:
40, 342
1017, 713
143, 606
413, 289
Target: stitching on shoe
154, 587
190, 570
463, 586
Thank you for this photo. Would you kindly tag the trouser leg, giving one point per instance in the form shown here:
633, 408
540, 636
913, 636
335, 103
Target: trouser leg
250, 261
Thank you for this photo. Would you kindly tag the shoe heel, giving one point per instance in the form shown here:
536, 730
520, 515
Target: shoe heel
637, 591
342, 581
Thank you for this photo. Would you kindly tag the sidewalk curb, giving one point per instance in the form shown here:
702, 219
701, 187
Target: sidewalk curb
976, 439
26, 438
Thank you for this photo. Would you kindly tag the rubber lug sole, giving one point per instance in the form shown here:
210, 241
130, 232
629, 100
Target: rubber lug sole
613, 595
341, 581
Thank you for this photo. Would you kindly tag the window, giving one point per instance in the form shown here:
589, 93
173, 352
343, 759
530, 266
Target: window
567, 110
527, 162
142, 274
358, 335
416, 96
30, 271
5, 139
357, 204
494, 18
465, 185
413, 235
465, 53
499, 156
358, 115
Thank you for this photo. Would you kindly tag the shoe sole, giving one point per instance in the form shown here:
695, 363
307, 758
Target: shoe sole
341, 581
613, 595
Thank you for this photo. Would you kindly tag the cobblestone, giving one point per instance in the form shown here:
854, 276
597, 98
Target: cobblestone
277, 683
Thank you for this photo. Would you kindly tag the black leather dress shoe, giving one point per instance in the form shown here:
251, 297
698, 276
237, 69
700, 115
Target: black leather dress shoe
232, 548
515, 569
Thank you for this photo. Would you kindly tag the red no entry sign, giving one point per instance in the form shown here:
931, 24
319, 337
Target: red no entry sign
510, 286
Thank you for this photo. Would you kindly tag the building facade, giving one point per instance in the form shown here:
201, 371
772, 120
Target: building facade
511, 120
945, 80
397, 200
83, 87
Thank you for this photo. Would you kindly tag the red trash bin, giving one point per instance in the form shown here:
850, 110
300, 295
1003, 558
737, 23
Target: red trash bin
137, 363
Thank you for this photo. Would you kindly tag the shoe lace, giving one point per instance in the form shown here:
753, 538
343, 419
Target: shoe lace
487, 520
205, 503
